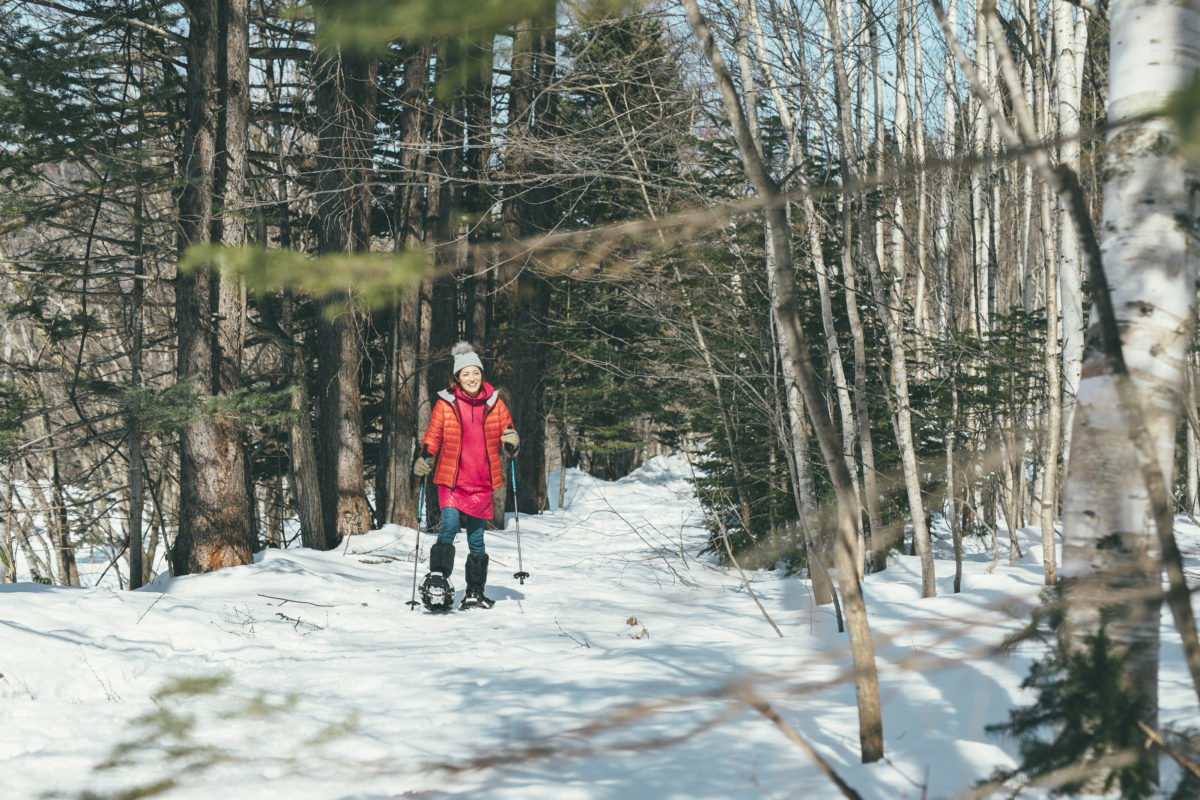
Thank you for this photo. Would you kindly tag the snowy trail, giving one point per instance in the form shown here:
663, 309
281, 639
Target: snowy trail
340, 690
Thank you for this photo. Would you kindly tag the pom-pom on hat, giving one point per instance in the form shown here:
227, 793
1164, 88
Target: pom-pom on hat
465, 356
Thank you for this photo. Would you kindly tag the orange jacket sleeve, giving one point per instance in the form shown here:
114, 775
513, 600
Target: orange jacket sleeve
437, 426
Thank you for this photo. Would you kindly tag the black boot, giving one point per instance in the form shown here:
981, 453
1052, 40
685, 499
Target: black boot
476, 579
441, 559
437, 593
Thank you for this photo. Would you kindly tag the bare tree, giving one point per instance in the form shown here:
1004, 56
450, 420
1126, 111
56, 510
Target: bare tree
794, 348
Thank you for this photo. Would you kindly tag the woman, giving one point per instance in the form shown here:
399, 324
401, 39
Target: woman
467, 427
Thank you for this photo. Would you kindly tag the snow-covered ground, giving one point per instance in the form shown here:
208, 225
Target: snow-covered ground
621, 669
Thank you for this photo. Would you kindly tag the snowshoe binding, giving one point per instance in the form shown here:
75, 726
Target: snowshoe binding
437, 593
476, 579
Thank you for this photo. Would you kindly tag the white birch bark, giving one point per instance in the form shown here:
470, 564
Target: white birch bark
990, 279
1111, 550
1153, 252
795, 348
1049, 481
917, 136
980, 221
1070, 41
889, 301
1192, 484
941, 237
848, 155
798, 438
812, 224
1047, 499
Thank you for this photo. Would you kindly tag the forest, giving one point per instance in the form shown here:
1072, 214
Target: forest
877, 267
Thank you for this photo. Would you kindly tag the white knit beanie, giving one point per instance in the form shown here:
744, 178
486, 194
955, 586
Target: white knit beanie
465, 356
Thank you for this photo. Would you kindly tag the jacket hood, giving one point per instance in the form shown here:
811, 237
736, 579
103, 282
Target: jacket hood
487, 395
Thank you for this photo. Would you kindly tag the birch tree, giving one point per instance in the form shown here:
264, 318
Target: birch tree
1070, 42
794, 348
1112, 553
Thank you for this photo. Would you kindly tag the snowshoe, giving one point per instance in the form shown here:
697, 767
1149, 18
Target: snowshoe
437, 593
474, 598
476, 579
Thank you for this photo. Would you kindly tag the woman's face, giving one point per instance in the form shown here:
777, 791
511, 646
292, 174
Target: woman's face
470, 379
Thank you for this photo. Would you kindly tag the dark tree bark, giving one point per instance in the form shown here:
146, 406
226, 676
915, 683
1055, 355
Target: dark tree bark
478, 283
305, 472
404, 381
521, 308
137, 494
60, 529
346, 91
214, 513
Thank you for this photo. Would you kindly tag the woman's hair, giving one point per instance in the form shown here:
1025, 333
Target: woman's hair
454, 384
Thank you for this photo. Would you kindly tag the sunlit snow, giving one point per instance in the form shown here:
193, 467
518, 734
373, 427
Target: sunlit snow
620, 669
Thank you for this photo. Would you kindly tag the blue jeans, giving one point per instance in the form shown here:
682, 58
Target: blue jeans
450, 521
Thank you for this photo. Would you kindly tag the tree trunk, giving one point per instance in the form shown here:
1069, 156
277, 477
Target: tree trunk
522, 308
945, 214
304, 475
981, 237
796, 440
345, 140
1049, 495
794, 346
887, 302
951, 488
10, 552
59, 524
921, 241
137, 493
851, 245
1112, 557
1192, 484
396, 500
1070, 37
215, 528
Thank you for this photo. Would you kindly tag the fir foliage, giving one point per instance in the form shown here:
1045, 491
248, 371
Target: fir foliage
621, 121
13, 408
1083, 713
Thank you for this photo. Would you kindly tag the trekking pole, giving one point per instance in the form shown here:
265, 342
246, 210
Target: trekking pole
417, 551
520, 574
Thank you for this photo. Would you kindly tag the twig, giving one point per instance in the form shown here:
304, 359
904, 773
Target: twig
152, 605
763, 707
111, 562
1155, 737
305, 602
583, 643
729, 551
653, 549
1071, 773
297, 622
381, 559
741, 572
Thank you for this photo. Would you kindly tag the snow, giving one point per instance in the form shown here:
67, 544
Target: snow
618, 670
